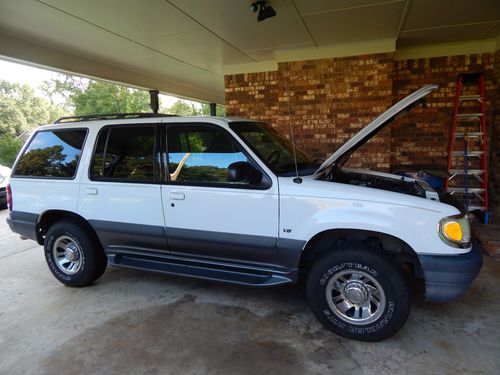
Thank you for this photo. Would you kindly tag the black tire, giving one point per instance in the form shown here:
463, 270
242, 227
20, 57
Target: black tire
379, 271
91, 257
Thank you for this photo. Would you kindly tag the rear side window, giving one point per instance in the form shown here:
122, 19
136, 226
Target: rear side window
52, 154
125, 154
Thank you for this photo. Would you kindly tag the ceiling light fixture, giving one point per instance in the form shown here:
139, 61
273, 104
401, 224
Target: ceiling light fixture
265, 10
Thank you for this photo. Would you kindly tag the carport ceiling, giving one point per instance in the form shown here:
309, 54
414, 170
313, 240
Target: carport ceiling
183, 46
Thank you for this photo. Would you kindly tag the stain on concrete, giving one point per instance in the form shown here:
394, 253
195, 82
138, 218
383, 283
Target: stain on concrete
199, 334
143, 323
191, 337
184, 337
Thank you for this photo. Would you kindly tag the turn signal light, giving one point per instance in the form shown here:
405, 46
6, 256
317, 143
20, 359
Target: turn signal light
453, 231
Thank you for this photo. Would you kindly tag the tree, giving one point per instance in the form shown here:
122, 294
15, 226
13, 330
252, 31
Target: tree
102, 97
9, 147
182, 108
47, 161
12, 120
219, 110
83, 96
191, 108
21, 109
86, 97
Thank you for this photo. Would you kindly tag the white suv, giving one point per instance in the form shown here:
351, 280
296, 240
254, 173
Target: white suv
223, 199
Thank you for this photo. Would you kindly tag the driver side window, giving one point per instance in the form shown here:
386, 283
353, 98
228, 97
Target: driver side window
201, 154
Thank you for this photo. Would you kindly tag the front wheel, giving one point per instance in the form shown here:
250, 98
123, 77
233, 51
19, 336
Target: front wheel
73, 255
359, 293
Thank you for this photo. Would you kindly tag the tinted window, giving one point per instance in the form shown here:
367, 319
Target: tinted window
52, 154
274, 149
201, 154
125, 153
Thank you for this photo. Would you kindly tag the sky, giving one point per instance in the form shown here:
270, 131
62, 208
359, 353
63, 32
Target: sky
34, 77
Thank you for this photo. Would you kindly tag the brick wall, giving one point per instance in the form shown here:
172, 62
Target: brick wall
421, 138
494, 178
331, 99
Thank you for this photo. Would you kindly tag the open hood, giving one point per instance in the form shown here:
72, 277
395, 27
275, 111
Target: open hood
370, 130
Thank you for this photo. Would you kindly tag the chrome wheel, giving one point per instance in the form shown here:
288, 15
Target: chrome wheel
67, 255
355, 297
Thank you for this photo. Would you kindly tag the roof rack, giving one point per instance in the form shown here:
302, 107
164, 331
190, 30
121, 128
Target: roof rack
109, 116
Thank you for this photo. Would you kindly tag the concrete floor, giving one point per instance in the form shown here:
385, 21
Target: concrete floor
137, 322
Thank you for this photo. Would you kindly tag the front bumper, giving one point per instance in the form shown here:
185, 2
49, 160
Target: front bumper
447, 277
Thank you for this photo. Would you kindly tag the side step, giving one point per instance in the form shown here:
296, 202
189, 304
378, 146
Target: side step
207, 270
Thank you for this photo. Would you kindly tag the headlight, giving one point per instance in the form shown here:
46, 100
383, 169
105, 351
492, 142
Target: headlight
455, 231
1, 178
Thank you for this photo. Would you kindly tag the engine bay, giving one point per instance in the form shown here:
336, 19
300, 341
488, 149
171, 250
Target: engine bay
383, 181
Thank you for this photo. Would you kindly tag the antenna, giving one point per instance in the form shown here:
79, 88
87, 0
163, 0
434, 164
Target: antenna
297, 179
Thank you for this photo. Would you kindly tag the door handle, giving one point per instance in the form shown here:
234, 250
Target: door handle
91, 191
177, 196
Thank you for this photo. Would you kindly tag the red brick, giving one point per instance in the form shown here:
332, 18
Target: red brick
331, 99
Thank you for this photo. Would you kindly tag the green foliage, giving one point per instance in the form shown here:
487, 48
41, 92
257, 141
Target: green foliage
12, 121
205, 110
9, 148
42, 161
200, 173
96, 97
83, 96
182, 108
21, 109
190, 108
102, 97
203, 173
47, 161
192, 142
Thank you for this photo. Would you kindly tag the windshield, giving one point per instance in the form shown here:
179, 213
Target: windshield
273, 149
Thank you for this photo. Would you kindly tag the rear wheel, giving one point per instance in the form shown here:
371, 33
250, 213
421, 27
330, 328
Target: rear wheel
359, 292
73, 255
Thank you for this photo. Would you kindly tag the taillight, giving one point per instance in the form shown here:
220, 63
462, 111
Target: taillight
9, 197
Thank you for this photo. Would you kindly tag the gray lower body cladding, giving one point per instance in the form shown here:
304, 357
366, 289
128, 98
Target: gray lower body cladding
228, 257
238, 258
23, 223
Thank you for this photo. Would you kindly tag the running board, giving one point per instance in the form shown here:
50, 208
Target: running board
216, 271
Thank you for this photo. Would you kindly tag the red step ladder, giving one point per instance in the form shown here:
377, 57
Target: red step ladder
467, 152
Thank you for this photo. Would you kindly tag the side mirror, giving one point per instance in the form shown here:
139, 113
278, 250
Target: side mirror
241, 171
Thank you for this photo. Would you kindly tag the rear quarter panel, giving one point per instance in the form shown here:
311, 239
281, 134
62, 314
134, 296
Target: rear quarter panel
37, 195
